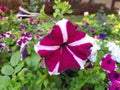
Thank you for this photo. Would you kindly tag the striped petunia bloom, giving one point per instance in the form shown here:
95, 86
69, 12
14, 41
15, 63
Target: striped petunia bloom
64, 48
22, 42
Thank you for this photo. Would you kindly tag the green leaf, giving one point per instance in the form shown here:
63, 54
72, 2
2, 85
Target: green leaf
4, 81
99, 87
19, 67
42, 13
33, 61
15, 58
7, 70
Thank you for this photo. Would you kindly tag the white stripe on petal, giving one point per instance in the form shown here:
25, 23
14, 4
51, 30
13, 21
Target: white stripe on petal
79, 61
86, 39
38, 47
62, 25
55, 71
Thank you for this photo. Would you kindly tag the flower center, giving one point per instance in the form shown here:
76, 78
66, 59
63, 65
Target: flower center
116, 76
117, 88
109, 61
63, 45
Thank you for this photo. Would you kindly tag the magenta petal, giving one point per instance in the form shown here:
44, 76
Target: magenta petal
70, 28
50, 41
82, 51
77, 35
56, 33
52, 60
67, 61
45, 53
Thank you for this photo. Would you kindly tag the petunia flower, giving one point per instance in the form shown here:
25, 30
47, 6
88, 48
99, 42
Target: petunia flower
3, 9
22, 26
114, 50
92, 31
26, 14
64, 48
31, 20
5, 35
107, 63
114, 86
94, 53
27, 35
114, 76
24, 53
22, 42
102, 36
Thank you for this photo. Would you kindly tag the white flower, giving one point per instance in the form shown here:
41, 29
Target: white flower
95, 48
111, 46
115, 51
86, 13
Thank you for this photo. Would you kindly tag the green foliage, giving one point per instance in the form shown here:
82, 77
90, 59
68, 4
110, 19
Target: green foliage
15, 58
61, 8
90, 78
4, 82
7, 70
33, 61
42, 13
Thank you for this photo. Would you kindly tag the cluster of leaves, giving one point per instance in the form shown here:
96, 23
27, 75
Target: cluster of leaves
61, 8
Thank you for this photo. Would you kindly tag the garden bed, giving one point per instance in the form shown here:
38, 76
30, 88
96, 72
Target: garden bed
60, 52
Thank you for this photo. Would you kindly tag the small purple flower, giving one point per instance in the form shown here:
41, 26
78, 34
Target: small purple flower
64, 48
22, 26
107, 63
5, 35
24, 53
27, 35
22, 42
114, 76
92, 31
31, 20
38, 36
38, 22
102, 36
3, 9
